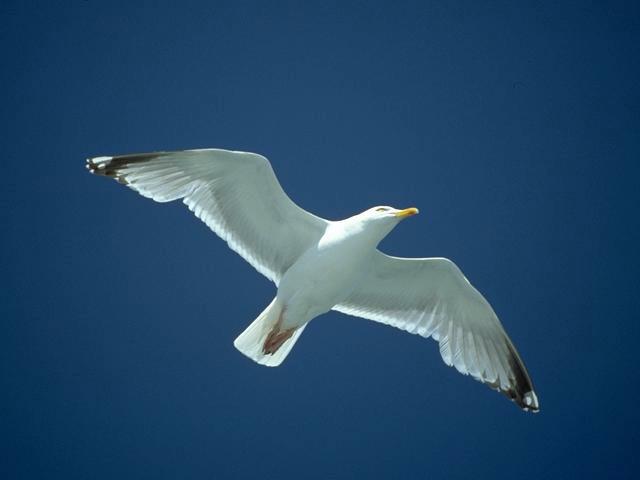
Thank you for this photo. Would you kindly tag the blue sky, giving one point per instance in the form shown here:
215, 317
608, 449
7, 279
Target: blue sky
513, 126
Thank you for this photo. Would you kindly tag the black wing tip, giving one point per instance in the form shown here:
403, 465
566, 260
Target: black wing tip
105, 167
522, 395
98, 165
530, 402
527, 401
112, 166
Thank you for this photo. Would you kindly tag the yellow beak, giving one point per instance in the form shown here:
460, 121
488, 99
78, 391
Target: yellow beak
407, 212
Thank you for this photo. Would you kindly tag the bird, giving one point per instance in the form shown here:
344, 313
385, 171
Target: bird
320, 265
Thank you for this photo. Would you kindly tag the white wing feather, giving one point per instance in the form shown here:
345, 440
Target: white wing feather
432, 298
235, 193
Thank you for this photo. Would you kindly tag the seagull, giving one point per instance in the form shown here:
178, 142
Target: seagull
320, 265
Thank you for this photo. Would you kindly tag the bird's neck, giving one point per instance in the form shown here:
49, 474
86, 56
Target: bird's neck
355, 231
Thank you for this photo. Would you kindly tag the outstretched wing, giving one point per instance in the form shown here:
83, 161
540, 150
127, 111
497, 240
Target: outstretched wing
432, 298
235, 193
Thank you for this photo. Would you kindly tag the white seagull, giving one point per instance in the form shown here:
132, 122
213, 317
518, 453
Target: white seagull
320, 265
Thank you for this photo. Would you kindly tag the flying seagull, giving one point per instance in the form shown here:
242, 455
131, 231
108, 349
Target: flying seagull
320, 265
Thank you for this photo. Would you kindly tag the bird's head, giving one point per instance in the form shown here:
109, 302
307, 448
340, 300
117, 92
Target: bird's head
380, 220
385, 214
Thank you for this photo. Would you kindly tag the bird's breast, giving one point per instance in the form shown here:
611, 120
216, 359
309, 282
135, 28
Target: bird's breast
323, 277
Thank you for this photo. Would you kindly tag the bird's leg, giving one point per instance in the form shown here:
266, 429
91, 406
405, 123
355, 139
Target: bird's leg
276, 337
275, 340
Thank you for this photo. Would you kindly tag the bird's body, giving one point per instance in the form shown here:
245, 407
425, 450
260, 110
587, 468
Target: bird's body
327, 272
320, 265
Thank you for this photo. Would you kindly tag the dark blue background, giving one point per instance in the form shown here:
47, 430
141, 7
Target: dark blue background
514, 126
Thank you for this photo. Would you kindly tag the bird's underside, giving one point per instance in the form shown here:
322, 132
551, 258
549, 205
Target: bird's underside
239, 197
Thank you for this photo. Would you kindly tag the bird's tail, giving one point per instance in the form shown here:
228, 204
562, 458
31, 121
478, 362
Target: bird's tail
251, 342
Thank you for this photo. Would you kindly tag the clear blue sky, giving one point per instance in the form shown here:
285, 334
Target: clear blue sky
514, 126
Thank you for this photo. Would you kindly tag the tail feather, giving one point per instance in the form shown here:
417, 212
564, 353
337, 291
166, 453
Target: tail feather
251, 341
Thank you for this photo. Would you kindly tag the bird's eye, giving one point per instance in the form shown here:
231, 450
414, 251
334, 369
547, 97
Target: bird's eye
382, 209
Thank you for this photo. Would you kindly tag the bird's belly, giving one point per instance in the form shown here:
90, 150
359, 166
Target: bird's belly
317, 282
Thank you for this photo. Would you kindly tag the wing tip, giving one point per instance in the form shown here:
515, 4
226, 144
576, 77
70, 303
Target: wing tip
98, 165
530, 402
112, 166
105, 167
527, 401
